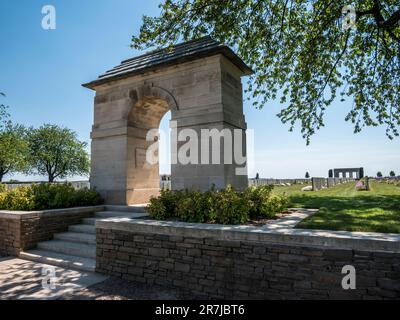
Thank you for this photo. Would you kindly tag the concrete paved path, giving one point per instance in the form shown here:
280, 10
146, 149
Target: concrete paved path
23, 279
291, 220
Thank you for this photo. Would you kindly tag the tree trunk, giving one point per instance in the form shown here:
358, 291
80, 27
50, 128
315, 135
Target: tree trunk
3, 172
51, 178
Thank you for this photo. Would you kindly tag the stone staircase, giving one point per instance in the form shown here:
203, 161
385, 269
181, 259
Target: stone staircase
76, 249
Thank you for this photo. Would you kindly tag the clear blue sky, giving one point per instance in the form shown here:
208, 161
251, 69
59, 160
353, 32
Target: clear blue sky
42, 72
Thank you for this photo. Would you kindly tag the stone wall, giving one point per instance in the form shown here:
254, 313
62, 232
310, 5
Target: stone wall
205, 262
22, 230
76, 184
10, 240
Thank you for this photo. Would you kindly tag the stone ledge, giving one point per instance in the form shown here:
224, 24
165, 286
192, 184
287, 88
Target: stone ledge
317, 238
32, 214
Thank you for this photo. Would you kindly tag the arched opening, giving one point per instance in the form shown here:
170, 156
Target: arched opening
143, 172
165, 151
148, 112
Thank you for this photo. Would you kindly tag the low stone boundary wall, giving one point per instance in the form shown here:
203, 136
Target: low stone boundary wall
76, 184
23, 230
236, 262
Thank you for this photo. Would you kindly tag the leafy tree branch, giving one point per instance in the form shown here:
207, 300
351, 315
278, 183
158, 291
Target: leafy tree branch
300, 52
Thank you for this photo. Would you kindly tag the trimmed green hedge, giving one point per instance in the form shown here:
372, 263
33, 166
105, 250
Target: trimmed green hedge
47, 196
225, 206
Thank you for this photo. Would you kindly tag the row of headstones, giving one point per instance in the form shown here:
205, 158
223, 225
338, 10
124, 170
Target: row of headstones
166, 184
282, 182
323, 183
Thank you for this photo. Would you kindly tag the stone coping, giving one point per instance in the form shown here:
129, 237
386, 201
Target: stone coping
267, 233
31, 214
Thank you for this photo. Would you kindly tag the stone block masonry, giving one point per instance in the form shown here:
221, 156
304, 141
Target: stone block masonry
23, 230
9, 236
222, 262
200, 83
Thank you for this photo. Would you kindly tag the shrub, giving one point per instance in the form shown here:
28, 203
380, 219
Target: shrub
3, 188
156, 209
86, 196
273, 205
262, 202
193, 207
256, 197
52, 196
19, 199
2, 197
48, 196
225, 206
230, 207
164, 206
170, 200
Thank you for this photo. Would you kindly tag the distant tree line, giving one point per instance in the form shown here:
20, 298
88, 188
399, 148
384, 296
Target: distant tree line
391, 174
49, 150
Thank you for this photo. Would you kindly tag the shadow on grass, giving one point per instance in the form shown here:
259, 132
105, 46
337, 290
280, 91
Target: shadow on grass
375, 213
391, 202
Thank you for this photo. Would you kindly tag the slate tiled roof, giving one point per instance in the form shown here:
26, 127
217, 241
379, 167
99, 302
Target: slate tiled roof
186, 51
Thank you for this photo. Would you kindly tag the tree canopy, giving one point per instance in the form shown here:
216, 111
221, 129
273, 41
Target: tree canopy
14, 150
303, 53
57, 152
3, 113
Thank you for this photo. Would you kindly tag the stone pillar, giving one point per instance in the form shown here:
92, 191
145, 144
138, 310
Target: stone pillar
221, 116
361, 173
336, 173
109, 145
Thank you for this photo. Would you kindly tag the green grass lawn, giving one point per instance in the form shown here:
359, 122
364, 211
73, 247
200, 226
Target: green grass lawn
344, 208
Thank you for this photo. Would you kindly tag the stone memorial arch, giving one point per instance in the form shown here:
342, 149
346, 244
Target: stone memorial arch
200, 83
352, 173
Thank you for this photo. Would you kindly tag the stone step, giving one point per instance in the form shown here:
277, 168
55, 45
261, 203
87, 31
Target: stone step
69, 248
60, 260
119, 214
133, 208
82, 228
86, 238
90, 221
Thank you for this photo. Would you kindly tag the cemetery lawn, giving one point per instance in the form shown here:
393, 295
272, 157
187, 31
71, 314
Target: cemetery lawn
344, 208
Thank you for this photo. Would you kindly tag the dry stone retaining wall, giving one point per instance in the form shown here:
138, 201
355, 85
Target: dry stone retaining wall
10, 238
205, 262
